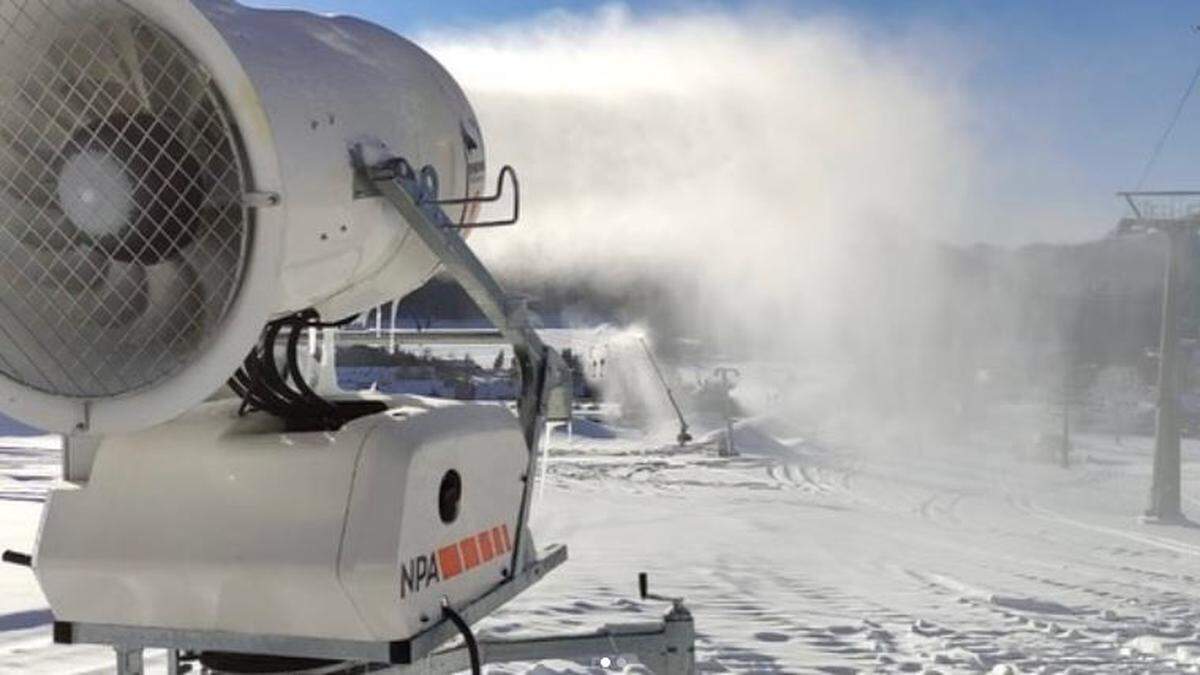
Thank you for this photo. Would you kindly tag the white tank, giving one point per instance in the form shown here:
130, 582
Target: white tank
214, 522
174, 174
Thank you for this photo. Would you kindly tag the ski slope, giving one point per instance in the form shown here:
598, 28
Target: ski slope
809, 556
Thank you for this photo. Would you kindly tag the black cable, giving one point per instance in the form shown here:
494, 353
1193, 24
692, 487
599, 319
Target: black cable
315, 321
268, 368
263, 383
315, 400
1162, 140
266, 386
313, 403
468, 637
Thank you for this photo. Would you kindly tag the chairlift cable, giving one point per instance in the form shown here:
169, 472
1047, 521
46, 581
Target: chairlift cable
1166, 134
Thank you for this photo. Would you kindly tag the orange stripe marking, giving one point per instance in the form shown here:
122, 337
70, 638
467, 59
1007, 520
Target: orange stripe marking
449, 564
485, 545
470, 552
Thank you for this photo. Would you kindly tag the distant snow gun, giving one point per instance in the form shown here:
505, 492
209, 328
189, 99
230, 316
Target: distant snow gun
684, 437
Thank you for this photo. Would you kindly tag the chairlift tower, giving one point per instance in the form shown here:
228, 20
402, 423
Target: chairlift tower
1177, 215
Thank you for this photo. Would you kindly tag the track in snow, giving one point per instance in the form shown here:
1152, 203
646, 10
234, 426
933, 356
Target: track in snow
824, 560
842, 560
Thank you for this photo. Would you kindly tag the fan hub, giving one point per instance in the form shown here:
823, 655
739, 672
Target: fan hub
151, 212
96, 194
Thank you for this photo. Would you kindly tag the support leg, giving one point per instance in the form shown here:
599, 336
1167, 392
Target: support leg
679, 631
129, 661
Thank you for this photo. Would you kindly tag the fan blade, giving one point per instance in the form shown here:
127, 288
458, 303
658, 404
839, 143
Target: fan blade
40, 229
27, 152
123, 298
175, 94
126, 46
176, 299
215, 266
96, 54
41, 95
74, 271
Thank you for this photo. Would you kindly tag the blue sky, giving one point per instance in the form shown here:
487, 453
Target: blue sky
1081, 88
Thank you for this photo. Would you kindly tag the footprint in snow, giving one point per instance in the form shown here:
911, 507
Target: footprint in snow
627, 605
504, 628
928, 629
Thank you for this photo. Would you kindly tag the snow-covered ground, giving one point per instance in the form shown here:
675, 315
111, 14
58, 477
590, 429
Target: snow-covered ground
801, 556
831, 558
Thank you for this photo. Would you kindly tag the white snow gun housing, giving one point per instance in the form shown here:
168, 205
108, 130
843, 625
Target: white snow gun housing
187, 188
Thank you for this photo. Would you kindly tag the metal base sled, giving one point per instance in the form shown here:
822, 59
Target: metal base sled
396, 652
665, 647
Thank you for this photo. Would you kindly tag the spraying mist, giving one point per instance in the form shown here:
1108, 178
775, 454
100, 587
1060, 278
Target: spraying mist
785, 184
749, 160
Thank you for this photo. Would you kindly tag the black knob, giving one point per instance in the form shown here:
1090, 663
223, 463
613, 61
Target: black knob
15, 558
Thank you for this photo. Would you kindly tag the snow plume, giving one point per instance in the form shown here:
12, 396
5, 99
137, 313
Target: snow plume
628, 379
783, 177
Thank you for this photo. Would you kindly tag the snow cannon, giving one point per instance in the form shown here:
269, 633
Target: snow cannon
186, 189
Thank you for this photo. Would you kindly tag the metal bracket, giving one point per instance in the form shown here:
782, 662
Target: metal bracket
1142, 222
506, 170
427, 193
261, 200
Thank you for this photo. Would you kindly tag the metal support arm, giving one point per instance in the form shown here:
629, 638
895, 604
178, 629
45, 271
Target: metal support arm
544, 375
416, 198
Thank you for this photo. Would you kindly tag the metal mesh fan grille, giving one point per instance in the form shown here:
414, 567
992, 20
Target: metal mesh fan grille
122, 226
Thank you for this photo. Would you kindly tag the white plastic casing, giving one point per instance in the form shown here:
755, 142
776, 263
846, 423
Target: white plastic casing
302, 89
216, 523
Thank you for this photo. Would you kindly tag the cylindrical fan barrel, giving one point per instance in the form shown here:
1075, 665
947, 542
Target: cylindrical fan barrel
117, 162
176, 173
